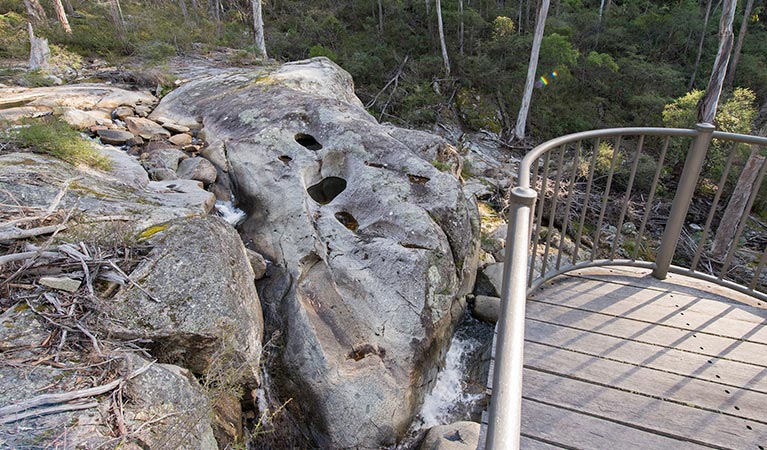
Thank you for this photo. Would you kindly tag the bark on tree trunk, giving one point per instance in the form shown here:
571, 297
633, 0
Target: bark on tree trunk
739, 46
700, 45
258, 28
445, 58
460, 28
68, 7
519, 130
737, 204
710, 102
117, 18
36, 12
62, 16
38, 50
184, 10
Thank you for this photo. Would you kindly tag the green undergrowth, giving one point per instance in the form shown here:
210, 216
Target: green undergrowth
54, 137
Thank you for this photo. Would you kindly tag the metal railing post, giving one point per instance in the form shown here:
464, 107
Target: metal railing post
684, 192
504, 420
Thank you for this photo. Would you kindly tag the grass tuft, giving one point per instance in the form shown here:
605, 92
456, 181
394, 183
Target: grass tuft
54, 137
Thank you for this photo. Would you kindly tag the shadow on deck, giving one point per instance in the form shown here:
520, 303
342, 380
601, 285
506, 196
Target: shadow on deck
616, 359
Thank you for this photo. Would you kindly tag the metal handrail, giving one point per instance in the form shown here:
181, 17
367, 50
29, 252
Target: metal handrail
504, 418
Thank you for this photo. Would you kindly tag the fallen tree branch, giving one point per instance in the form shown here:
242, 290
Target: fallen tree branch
31, 232
64, 397
46, 411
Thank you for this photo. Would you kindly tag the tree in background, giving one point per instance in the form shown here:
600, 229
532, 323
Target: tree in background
519, 129
61, 15
35, 12
710, 100
445, 59
739, 46
258, 28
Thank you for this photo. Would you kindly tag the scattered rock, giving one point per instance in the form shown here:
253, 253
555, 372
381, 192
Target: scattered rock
197, 168
197, 306
490, 280
163, 158
162, 174
258, 263
174, 127
122, 112
114, 137
83, 120
487, 308
61, 283
146, 128
180, 139
142, 110
456, 436
79, 96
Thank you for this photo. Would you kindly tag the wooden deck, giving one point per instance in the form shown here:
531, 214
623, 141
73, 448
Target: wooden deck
615, 359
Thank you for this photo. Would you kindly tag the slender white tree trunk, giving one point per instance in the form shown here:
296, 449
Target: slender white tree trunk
710, 102
258, 27
62, 16
38, 50
601, 9
184, 10
380, 18
460, 28
445, 58
700, 44
117, 18
739, 46
524, 109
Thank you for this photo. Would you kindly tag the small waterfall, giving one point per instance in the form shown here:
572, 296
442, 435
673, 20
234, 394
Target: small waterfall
230, 213
449, 399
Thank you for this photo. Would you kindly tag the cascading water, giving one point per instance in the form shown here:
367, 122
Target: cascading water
230, 213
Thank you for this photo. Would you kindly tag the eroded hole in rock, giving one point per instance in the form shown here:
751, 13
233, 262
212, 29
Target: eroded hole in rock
308, 141
285, 159
376, 165
326, 190
365, 350
418, 179
347, 220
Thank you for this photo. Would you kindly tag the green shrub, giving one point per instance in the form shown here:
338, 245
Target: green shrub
319, 50
54, 137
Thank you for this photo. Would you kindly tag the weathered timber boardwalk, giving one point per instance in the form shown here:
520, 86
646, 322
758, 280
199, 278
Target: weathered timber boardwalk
615, 359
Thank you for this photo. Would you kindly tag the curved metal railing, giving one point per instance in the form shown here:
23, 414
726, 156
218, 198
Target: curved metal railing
563, 216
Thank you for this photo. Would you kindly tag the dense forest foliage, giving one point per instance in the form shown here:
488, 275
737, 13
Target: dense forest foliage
614, 63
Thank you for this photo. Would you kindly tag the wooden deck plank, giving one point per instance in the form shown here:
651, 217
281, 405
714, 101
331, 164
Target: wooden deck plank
571, 429
686, 340
645, 413
649, 382
528, 443
648, 355
677, 310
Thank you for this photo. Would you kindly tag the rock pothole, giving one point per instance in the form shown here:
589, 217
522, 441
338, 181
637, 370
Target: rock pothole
347, 220
308, 141
361, 352
326, 190
416, 179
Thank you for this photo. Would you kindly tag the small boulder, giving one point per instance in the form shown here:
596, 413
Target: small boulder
487, 308
122, 112
490, 280
181, 140
456, 436
174, 127
163, 158
146, 128
61, 283
82, 120
114, 137
257, 262
162, 174
197, 168
142, 110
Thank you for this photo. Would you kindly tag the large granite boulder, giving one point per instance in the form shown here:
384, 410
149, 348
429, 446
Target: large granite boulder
373, 247
194, 301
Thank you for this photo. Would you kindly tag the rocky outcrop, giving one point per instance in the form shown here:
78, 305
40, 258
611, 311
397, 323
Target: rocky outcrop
455, 436
373, 247
196, 304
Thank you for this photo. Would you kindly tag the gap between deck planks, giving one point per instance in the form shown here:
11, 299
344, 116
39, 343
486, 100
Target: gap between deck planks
636, 378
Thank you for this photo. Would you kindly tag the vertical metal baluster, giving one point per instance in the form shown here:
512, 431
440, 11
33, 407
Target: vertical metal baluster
618, 230
605, 198
568, 207
554, 204
539, 218
743, 220
648, 204
712, 212
531, 226
585, 206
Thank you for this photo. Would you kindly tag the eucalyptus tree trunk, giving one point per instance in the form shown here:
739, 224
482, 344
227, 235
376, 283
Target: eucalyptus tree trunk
710, 101
36, 12
62, 16
184, 10
258, 28
739, 46
380, 18
519, 130
445, 58
460, 28
68, 7
117, 18
700, 45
